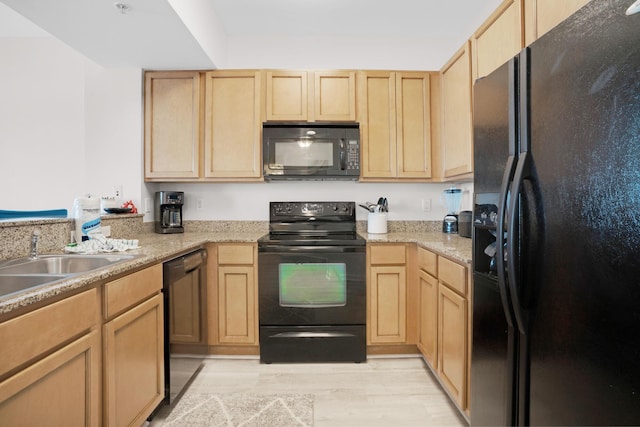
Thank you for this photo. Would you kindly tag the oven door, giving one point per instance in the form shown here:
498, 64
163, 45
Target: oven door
312, 285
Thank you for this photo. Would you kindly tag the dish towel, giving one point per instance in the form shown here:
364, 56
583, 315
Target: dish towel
98, 243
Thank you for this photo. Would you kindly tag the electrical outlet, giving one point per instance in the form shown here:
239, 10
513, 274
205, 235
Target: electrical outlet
198, 204
147, 205
426, 205
117, 191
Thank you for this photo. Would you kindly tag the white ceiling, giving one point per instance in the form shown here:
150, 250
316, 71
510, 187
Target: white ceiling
195, 34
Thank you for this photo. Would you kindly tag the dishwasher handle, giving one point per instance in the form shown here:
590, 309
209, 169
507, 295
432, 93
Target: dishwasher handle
194, 260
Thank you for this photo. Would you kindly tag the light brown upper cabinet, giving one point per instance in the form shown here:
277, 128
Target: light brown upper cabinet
457, 145
498, 39
543, 15
233, 125
172, 124
310, 95
395, 125
203, 126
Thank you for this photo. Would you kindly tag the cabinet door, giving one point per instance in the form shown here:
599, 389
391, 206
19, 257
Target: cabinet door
187, 296
413, 124
26, 338
60, 390
456, 114
543, 15
377, 117
334, 96
428, 339
172, 125
237, 305
287, 95
388, 305
134, 364
452, 343
499, 39
233, 125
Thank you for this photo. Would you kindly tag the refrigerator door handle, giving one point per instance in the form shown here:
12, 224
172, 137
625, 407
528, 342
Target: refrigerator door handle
513, 239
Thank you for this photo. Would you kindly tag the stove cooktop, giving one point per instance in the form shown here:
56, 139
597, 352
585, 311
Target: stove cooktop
312, 224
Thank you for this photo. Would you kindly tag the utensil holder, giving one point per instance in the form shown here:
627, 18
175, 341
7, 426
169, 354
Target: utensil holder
377, 223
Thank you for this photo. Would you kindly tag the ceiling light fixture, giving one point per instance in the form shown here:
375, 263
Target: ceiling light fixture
122, 7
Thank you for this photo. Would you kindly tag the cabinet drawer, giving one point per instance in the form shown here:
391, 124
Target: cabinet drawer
33, 334
132, 289
235, 254
454, 275
428, 261
387, 254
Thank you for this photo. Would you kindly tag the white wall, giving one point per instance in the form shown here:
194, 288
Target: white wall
69, 127
114, 131
251, 201
42, 115
331, 53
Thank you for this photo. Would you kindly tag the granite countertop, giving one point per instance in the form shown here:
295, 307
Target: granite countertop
450, 245
155, 248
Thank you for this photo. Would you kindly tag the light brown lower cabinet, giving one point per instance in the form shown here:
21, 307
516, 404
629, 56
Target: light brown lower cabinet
63, 389
91, 359
444, 329
233, 303
387, 294
50, 364
452, 342
133, 348
428, 329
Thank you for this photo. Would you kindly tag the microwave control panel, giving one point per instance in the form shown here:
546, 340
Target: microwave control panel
353, 154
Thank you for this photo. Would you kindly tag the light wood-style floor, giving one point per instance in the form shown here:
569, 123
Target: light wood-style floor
398, 392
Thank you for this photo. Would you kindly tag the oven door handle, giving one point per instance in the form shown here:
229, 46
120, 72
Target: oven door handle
313, 249
312, 335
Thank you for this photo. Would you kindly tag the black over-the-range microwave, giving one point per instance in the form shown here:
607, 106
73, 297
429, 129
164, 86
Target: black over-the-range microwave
311, 151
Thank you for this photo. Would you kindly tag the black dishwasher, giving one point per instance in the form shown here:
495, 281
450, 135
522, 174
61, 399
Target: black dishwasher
184, 288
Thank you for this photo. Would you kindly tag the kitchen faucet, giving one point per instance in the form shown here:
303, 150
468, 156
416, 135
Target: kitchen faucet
34, 243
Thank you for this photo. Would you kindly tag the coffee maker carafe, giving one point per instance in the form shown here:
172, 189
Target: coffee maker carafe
168, 212
452, 198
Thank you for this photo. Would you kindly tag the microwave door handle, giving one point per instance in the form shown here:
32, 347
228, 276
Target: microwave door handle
343, 161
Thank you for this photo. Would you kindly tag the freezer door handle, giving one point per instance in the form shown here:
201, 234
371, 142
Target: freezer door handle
500, 239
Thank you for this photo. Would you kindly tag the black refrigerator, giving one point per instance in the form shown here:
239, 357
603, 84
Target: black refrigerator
556, 236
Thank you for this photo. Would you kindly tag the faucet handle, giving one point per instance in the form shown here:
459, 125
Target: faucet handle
35, 235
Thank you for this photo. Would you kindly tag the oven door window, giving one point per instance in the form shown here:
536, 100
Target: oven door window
310, 285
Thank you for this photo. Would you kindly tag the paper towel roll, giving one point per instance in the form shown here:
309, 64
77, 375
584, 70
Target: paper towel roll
86, 211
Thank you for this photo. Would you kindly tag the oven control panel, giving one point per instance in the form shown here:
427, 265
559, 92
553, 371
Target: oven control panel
315, 209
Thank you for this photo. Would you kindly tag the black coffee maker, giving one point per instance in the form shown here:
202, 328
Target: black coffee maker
168, 212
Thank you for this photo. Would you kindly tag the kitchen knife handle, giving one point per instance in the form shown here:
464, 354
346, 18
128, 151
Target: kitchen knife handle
513, 240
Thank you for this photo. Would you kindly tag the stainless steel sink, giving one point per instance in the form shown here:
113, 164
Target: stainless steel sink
61, 264
13, 283
26, 273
